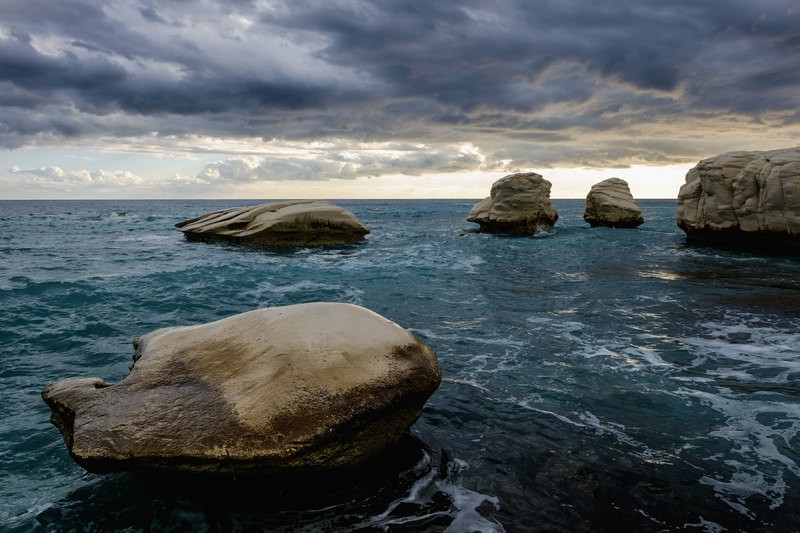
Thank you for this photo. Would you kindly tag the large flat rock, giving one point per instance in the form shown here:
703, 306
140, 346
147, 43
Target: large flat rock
305, 387
304, 222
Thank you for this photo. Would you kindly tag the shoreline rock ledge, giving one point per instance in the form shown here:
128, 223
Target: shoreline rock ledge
301, 222
518, 204
611, 204
309, 387
749, 199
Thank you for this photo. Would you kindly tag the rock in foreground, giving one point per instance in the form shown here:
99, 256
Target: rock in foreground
518, 204
610, 203
305, 387
309, 222
743, 198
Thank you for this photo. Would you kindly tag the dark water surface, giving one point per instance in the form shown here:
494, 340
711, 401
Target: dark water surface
593, 379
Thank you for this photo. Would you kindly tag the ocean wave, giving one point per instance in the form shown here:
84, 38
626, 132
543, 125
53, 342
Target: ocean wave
590, 379
267, 294
586, 420
747, 349
759, 436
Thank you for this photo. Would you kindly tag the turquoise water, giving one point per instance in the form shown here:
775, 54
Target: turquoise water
593, 379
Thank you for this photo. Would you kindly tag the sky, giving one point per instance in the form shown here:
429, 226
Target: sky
386, 98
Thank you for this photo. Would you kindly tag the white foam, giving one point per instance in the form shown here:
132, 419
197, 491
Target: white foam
707, 526
152, 238
465, 502
465, 381
743, 485
467, 517
757, 442
746, 365
266, 293
617, 430
621, 351
493, 341
467, 264
414, 496
588, 420
646, 355
744, 344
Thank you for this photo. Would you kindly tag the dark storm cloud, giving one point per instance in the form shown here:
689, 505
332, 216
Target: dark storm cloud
151, 14
547, 71
492, 54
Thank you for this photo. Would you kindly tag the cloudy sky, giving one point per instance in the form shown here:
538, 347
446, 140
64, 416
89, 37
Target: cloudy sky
387, 98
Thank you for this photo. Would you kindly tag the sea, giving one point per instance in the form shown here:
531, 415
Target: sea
593, 379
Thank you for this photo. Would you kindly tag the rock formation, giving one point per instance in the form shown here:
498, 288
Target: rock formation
306, 222
743, 198
518, 204
610, 203
304, 387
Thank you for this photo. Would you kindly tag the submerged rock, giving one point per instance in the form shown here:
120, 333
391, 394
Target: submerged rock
314, 386
743, 198
518, 204
307, 222
610, 203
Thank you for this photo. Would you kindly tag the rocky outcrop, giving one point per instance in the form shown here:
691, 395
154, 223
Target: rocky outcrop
610, 203
518, 204
743, 198
309, 222
305, 387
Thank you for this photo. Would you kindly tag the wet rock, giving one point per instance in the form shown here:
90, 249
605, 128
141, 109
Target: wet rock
518, 204
315, 386
309, 222
610, 203
743, 198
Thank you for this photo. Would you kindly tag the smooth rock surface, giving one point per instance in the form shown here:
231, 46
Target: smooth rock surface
518, 204
746, 198
308, 222
610, 203
314, 386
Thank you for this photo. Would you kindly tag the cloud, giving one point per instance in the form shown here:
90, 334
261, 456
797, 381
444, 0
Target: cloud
349, 164
56, 176
534, 82
313, 163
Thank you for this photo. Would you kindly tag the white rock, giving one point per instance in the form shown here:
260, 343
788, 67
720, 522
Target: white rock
610, 203
307, 222
743, 198
518, 204
310, 386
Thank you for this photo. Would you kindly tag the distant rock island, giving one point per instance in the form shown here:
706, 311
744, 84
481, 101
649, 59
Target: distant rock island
315, 386
305, 222
610, 203
518, 204
743, 198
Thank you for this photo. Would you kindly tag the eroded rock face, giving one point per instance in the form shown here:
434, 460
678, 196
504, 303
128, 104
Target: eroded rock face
748, 198
610, 203
309, 222
305, 387
518, 204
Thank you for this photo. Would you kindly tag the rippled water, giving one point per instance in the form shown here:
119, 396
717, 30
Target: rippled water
593, 379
